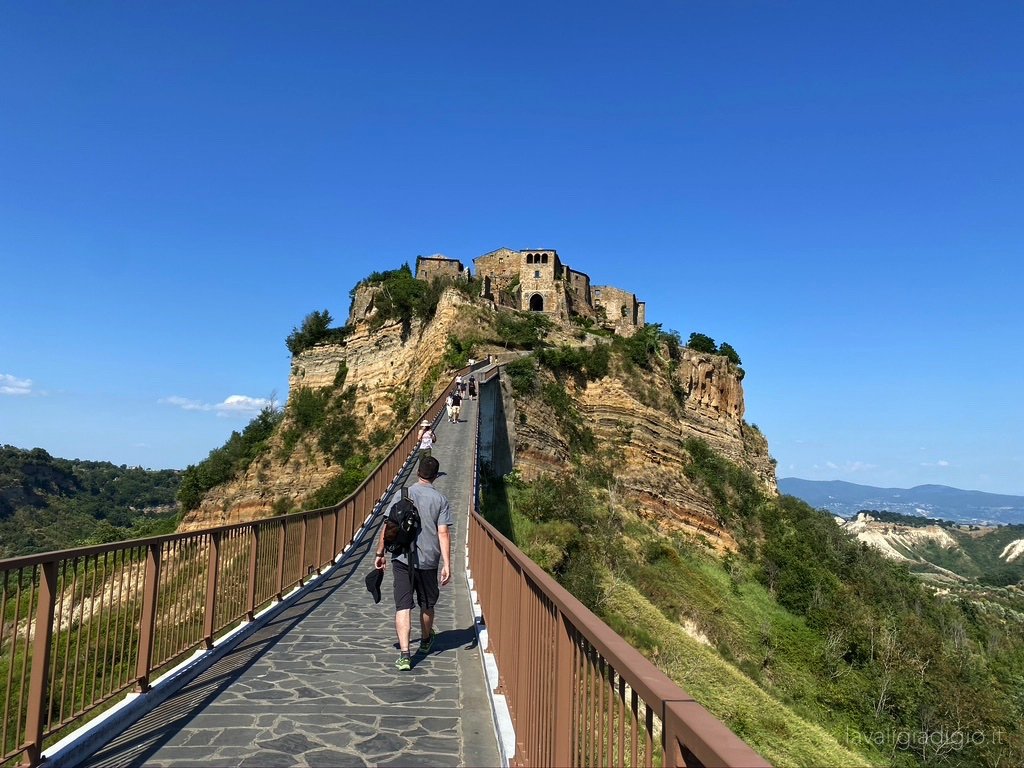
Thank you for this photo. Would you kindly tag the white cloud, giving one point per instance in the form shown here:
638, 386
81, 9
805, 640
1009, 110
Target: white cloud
241, 405
234, 405
859, 466
850, 466
12, 385
939, 463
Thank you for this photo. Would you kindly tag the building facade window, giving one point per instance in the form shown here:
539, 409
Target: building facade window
536, 273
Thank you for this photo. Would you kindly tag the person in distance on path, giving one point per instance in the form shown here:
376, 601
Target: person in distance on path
433, 548
456, 406
426, 439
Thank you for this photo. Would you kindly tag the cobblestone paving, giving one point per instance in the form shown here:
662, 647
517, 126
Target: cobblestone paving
316, 686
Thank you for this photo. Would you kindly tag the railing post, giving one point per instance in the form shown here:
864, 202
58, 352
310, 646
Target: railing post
565, 675
339, 514
35, 717
283, 534
319, 542
359, 507
211, 589
520, 631
147, 624
254, 546
303, 568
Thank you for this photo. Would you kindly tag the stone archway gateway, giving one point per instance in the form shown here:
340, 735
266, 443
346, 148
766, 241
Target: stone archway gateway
536, 303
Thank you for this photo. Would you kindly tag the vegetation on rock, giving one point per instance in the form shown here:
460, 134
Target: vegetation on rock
812, 647
522, 330
224, 463
402, 298
315, 329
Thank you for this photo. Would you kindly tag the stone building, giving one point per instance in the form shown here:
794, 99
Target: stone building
536, 280
429, 267
540, 284
620, 309
499, 274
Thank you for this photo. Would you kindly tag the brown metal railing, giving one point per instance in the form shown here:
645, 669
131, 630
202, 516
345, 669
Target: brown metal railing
578, 694
82, 626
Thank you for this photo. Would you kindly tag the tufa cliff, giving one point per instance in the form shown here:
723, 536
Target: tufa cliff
637, 419
641, 421
386, 376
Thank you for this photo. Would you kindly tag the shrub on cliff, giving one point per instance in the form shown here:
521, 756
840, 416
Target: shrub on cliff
700, 342
225, 462
641, 349
726, 350
457, 351
593, 362
315, 329
523, 375
403, 298
522, 330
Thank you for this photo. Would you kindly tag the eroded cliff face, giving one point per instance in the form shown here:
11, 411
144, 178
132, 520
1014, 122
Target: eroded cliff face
384, 366
643, 422
641, 418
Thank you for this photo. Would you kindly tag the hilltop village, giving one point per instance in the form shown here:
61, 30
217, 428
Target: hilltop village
536, 280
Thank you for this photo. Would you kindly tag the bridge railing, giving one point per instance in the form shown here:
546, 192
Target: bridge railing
578, 694
80, 627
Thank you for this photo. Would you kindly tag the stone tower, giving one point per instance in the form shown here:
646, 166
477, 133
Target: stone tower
540, 274
536, 280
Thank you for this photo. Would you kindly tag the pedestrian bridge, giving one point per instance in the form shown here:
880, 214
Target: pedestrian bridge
258, 645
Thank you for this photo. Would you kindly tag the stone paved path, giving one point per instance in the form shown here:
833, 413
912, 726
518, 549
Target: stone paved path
317, 685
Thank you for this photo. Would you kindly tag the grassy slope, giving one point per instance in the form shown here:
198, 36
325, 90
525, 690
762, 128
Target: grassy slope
775, 730
758, 674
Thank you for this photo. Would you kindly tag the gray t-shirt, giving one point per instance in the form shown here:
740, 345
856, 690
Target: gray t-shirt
434, 511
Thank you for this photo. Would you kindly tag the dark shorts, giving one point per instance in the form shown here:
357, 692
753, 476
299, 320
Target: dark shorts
424, 583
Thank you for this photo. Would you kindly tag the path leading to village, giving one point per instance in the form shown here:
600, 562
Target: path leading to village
316, 685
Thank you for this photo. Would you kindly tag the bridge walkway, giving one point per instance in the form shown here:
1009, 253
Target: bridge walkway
316, 684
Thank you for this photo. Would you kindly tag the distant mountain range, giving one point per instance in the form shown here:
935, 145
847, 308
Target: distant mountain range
939, 501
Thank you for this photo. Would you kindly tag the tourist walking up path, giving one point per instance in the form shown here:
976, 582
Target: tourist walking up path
317, 685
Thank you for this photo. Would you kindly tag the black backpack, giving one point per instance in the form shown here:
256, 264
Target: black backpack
402, 525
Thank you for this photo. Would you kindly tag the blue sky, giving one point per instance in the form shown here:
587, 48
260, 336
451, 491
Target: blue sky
834, 189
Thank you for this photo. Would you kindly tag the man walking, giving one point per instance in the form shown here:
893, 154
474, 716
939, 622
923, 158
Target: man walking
456, 406
432, 548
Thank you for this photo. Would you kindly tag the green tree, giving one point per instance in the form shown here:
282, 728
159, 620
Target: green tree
642, 347
314, 329
702, 343
522, 330
523, 375
725, 349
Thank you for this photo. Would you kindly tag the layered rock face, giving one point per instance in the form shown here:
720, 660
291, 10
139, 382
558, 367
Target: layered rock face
642, 418
382, 365
644, 425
